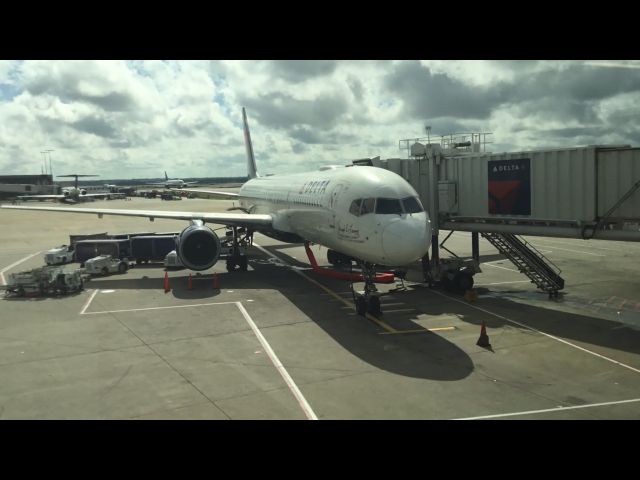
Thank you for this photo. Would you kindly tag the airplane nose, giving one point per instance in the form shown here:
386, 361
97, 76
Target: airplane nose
405, 240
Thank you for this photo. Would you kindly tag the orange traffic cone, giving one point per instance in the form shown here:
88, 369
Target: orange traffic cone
190, 283
483, 341
167, 288
471, 296
216, 282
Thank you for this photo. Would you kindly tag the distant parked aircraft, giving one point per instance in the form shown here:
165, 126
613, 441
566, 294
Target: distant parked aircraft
172, 182
77, 193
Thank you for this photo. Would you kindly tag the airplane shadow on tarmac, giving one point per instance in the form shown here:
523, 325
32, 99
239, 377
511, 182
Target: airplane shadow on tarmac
424, 355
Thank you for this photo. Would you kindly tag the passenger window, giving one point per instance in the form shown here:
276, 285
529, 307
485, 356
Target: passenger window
354, 209
412, 205
388, 206
368, 205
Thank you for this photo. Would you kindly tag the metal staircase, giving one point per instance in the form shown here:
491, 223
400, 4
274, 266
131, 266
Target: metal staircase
529, 261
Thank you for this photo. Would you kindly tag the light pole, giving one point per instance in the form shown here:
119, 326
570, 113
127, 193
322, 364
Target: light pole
45, 161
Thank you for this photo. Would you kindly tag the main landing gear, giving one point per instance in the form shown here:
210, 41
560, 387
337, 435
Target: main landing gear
369, 301
237, 240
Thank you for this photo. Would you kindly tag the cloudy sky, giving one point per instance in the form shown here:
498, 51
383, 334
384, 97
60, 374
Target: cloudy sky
135, 119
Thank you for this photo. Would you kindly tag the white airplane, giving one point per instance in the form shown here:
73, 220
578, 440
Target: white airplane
367, 214
172, 182
76, 193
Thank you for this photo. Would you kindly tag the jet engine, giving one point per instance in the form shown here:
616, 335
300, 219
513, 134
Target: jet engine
198, 247
83, 191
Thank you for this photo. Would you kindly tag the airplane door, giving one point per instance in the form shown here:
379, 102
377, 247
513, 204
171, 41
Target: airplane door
333, 202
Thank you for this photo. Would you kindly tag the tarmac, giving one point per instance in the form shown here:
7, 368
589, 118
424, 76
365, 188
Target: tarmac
281, 342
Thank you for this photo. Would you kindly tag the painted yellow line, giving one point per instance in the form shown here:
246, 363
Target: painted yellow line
422, 330
382, 324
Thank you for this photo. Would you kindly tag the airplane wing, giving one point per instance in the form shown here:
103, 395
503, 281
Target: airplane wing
213, 193
95, 195
190, 183
41, 197
234, 219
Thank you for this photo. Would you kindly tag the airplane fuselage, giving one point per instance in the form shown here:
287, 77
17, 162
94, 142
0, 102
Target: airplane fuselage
175, 184
364, 212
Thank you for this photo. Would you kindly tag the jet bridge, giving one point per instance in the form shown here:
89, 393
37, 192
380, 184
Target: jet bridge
581, 192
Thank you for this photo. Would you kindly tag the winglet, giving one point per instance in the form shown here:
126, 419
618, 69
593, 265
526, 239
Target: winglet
251, 161
166, 177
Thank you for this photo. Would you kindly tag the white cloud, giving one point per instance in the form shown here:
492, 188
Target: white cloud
134, 119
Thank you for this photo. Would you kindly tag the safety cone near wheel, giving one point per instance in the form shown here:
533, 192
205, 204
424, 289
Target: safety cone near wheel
471, 296
190, 283
167, 288
483, 341
216, 282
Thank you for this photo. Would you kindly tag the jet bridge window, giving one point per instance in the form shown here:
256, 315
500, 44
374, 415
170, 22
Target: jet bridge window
412, 205
388, 206
354, 209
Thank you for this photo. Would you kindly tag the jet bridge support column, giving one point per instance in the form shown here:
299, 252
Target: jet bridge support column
475, 250
434, 161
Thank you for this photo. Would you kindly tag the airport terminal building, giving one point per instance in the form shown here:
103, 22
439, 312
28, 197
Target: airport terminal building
14, 185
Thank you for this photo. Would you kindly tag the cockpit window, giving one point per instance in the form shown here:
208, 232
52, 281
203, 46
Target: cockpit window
368, 205
355, 207
412, 205
388, 205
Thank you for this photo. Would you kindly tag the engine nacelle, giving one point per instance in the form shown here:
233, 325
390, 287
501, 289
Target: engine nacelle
198, 247
83, 192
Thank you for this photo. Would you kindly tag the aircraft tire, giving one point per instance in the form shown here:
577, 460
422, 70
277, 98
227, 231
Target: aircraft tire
105, 271
122, 267
373, 306
244, 263
361, 306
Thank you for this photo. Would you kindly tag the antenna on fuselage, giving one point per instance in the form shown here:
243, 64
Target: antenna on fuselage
252, 171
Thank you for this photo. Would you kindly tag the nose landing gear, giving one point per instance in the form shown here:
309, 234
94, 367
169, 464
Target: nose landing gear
369, 301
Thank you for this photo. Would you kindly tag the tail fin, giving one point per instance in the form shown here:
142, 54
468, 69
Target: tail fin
166, 177
251, 161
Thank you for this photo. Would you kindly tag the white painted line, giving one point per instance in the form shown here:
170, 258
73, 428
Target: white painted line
585, 244
538, 331
159, 308
306, 408
88, 302
568, 250
498, 266
556, 409
13, 265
